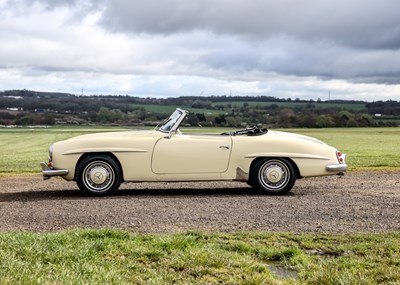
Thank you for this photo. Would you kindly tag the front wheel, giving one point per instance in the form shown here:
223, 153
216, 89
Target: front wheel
273, 176
98, 175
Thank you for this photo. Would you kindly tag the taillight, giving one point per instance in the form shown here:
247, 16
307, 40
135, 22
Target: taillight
51, 153
340, 156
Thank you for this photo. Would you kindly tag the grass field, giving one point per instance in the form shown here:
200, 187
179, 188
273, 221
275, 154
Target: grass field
169, 109
22, 148
318, 105
367, 148
118, 257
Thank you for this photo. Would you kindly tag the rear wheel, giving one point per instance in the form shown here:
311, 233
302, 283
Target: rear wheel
273, 176
98, 175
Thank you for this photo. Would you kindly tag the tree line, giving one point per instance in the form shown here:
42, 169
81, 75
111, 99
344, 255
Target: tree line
26, 107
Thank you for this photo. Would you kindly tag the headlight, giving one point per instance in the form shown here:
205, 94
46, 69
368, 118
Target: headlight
51, 153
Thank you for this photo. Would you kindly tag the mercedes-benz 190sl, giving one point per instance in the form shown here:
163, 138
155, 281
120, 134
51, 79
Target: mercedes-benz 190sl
268, 160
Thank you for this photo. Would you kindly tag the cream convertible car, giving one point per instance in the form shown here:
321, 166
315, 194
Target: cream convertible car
270, 161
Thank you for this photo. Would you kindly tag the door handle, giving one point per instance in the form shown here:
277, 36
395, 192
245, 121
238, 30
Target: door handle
224, 146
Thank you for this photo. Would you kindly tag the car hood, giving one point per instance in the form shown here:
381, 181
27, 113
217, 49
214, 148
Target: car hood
297, 136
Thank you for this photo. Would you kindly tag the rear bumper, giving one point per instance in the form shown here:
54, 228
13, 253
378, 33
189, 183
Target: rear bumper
49, 172
341, 167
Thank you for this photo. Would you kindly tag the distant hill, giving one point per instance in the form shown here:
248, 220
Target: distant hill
31, 93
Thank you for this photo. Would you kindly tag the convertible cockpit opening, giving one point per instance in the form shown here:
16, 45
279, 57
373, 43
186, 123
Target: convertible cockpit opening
171, 125
253, 131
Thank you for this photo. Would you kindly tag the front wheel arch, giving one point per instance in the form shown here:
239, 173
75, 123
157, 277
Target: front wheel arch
110, 154
98, 174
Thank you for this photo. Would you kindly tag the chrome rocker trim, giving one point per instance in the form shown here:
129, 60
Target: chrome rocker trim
48, 172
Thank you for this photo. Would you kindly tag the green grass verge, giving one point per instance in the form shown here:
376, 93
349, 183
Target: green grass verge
118, 257
367, 148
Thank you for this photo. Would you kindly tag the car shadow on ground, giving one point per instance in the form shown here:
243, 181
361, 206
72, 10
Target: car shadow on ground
42, 195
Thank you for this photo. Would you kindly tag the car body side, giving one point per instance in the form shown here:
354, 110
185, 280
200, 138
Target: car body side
158, 156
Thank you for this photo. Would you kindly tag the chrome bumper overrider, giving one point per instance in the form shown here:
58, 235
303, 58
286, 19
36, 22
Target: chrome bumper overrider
48, 172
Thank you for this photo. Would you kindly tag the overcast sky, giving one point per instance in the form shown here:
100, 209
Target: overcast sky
303, 49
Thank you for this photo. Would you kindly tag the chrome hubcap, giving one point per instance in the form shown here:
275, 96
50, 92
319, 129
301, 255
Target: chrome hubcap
99, 176
274, 175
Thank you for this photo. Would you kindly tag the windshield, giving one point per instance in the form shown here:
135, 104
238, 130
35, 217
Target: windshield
171, 121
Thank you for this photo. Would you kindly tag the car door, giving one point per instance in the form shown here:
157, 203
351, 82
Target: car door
185, 154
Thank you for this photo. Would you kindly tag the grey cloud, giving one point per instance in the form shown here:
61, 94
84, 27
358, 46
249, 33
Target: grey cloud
366, 24
51, 4
80, 7
357, 23
355, 40
290, 56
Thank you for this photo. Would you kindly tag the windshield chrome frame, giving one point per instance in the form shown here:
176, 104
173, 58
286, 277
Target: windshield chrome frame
179, 120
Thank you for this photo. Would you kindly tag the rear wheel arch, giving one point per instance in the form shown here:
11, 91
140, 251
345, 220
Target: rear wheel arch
273, 175
296, 168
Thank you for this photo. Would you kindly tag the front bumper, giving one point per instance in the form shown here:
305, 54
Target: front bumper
49, 172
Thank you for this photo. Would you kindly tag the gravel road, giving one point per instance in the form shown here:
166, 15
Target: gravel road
358, 202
